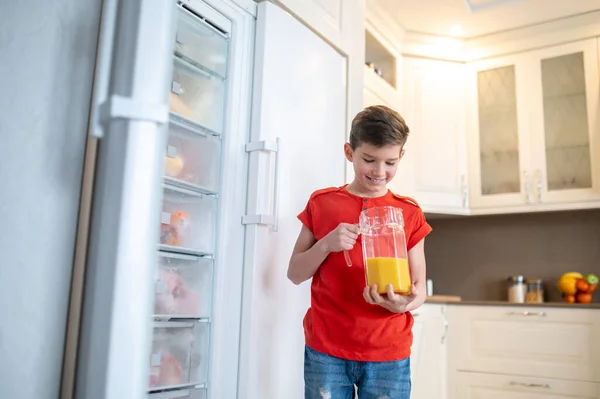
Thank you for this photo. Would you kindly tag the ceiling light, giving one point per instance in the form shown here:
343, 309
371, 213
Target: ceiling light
456, 30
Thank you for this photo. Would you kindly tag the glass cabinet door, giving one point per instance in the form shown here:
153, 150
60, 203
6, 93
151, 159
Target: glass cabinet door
498, 127
498, 131
567, 123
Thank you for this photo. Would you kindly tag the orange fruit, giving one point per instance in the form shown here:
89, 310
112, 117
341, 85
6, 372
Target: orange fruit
582, 285
567, 285
584, 297
569, 298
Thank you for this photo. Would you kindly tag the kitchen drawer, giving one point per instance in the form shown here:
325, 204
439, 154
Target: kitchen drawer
179, 354
183, 286
188, 221
193, 158
527, 341
197, 96
180, 394
200, 43
489, 386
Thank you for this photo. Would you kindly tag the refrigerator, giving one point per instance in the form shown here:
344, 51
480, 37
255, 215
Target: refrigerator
204, 119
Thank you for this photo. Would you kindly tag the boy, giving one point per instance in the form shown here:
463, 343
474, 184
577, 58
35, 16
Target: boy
355, 336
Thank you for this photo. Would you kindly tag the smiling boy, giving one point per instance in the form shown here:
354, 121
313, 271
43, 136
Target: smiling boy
354, 336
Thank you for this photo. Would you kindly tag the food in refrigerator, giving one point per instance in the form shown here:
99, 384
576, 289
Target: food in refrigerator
178, 354
176, 297
183, 286
173, 227
188, 220
168, 372
193, 157
178, 106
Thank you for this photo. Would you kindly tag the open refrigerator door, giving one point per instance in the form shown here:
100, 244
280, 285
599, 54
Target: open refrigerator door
167, 326
188, 221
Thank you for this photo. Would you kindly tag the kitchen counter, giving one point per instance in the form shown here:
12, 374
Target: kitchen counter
450, 300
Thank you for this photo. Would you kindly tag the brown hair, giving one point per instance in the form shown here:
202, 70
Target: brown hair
380, 126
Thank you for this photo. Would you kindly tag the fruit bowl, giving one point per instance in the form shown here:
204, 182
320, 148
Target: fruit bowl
575, 288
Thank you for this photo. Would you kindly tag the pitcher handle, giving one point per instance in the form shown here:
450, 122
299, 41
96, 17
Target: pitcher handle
348, 260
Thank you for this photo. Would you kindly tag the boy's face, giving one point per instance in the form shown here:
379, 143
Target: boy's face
374, 167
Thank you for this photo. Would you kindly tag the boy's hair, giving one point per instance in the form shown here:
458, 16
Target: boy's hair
380, 126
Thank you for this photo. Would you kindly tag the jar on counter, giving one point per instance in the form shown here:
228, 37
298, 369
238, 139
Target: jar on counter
535, 290
517, 290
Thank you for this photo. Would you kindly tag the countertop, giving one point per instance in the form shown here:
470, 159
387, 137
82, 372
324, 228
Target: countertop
451, 300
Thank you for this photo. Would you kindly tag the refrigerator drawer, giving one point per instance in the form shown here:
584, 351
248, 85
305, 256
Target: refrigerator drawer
179, 354
180, 394
197, 96
183, 286
188, 221
200, 43
193, 158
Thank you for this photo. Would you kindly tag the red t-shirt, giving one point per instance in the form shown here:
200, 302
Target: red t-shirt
340, 322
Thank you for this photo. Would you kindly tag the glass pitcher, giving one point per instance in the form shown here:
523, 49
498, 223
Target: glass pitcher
384, 249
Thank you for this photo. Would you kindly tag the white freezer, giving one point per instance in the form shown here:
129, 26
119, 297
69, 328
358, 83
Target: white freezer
201, 176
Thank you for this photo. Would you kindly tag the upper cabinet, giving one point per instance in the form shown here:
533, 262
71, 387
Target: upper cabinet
434, 167
533, 133
503, 119
338, 21
565, 123
498, 132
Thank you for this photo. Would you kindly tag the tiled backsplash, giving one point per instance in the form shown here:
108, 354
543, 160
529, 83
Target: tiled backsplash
473, 257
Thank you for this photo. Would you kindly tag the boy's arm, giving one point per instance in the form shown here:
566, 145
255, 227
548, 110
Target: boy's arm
416, 261
307, 256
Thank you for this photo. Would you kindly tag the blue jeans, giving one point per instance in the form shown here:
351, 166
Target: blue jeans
328, 377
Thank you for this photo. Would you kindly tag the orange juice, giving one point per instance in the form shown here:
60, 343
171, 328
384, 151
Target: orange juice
383, 271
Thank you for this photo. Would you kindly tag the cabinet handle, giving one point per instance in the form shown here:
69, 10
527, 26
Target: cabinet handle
538, 185
527, 385
526, 185
465, 190
445, 331
526, 313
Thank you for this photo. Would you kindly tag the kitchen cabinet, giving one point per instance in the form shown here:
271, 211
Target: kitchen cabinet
428, 352
434, 168
521, 351
334, 20
533, 130
488, 386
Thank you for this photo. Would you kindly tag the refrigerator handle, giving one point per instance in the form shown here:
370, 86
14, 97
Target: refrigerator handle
272, 220
276, 187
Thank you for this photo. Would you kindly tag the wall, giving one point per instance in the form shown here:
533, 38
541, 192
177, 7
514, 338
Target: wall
472, 257
48, 54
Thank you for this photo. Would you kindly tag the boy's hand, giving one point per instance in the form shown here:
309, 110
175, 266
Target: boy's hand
393, 302
343, 238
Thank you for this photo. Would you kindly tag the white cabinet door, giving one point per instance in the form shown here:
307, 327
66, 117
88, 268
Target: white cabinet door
428, 353
300, 97
434, 98
333, 19
526, 341
566, 123
498, 132
490, 386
